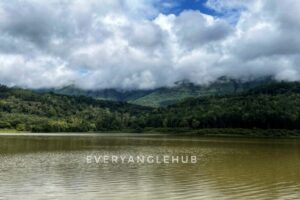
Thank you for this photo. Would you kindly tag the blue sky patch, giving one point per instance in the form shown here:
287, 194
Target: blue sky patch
177, 6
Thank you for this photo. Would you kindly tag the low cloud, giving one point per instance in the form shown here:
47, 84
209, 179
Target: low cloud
131, 44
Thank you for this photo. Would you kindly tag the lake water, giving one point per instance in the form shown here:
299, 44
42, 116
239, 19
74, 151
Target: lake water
56, 167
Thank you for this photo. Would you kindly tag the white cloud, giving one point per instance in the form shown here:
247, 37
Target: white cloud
194, 29
130, 44
34, 73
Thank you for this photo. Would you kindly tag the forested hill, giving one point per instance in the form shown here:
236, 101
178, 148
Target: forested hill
25, 110
269, 106
164, 96
275, 105
276, 88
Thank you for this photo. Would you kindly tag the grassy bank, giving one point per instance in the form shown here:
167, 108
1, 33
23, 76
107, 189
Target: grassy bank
9, 131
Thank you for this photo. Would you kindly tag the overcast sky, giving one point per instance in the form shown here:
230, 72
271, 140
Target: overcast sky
146, 43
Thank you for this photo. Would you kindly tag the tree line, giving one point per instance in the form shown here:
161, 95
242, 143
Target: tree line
272, 106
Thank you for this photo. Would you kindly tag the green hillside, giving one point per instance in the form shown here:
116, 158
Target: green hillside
269, 106
272, 106
165, 96
103, 94
162, 97
25, 110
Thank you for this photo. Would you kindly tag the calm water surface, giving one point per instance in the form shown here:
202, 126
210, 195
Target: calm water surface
54, 167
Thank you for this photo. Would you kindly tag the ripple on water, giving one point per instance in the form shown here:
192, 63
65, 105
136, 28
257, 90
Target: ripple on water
57, 169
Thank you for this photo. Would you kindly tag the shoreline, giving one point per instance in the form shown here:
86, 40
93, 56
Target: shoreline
228, 133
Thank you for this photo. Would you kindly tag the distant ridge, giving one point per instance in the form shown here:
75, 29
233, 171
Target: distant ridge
164, 96
273, 105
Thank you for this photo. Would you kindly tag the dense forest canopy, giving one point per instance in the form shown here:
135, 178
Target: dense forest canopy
269, 106
29, 111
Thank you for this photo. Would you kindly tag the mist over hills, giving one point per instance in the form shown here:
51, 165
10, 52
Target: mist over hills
274, 105
137, 44
164, 96
105, 65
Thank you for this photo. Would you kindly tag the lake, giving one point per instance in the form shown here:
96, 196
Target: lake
63, 166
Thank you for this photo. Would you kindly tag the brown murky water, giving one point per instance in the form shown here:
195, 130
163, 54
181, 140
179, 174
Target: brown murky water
55, 167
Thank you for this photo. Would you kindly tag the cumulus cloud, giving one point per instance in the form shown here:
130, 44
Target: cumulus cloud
131, 44
195, 29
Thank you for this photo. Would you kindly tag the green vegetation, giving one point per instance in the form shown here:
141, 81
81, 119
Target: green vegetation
273, 107
162, 97
8, 131
24, 110
228, 132
238, 111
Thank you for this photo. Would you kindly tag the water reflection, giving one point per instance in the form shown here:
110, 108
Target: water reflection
54, 167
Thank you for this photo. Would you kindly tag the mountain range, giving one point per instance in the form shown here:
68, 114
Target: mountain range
269, 106
164, 96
